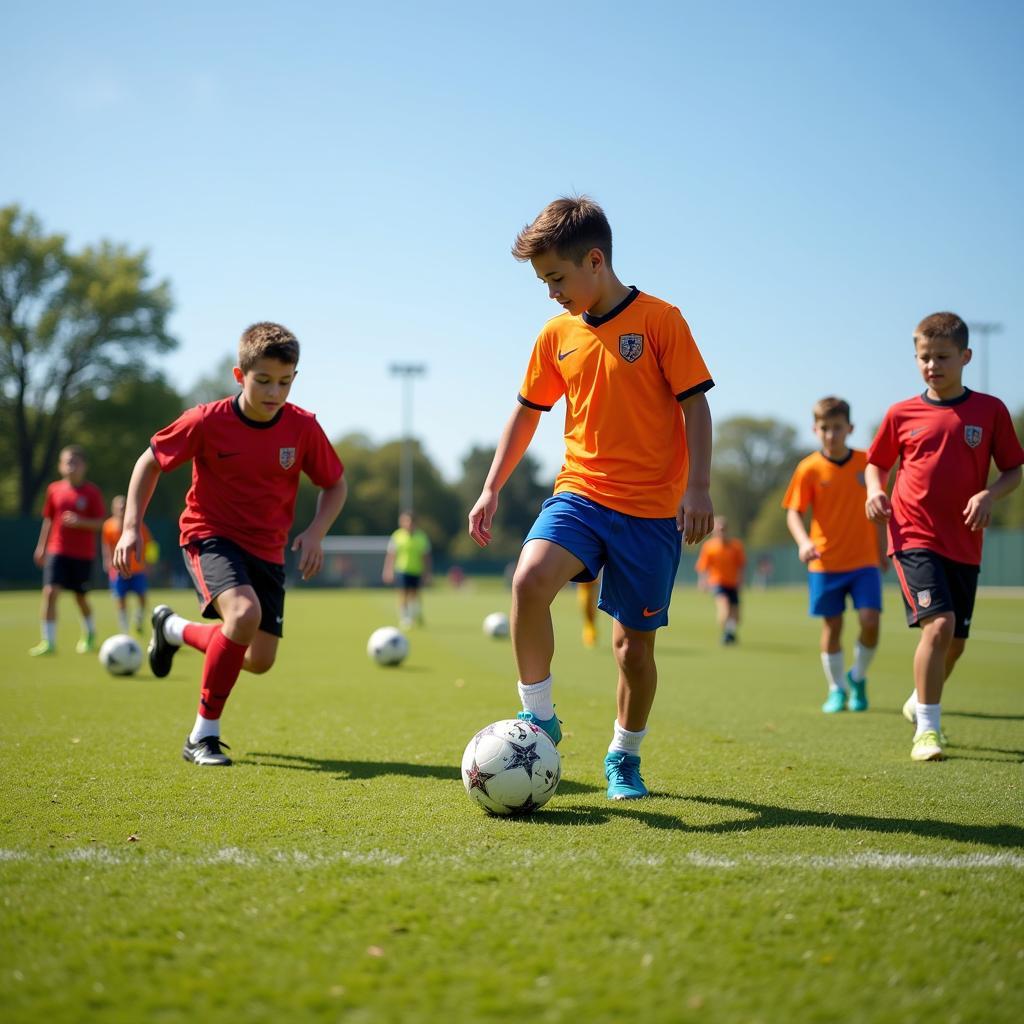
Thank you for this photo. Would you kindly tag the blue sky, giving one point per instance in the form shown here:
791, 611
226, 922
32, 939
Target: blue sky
804, 180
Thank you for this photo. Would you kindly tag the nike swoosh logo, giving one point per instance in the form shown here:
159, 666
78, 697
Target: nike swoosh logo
562, 355
227, 455
280, 619
648, 614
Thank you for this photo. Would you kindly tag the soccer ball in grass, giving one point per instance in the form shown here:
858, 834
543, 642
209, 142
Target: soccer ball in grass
496, 624
121, 655
511, 767
388, 646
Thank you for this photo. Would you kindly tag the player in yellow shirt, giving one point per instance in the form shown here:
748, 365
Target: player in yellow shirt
635, 475
408, 561
844, 553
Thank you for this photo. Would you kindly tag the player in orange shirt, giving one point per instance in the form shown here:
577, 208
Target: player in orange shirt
137, 582
635, 475
844, 553
720, 567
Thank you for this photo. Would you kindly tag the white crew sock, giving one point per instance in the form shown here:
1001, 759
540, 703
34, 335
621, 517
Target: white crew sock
862, 657
139, 618
204, 727
536, 698
912, 701
833, 666
730, 626
174, 629
626, 742
88, 625
122, 620
928, 718
48, 631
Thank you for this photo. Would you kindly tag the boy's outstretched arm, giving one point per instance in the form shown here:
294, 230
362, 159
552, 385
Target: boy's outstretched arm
310, 542
696, 514
877, 508
140, 490
795, 524
978, 511
515, 439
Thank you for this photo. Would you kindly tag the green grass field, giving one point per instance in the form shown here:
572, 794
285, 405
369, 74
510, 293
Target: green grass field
790, 867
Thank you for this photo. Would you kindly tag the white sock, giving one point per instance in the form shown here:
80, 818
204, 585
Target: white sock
833, 666
140, 617
912, 700
48, 631
204, 727
122, 620
536, 698
730, 627
174, 629
928, 718
626, 742
88, 625
862, 657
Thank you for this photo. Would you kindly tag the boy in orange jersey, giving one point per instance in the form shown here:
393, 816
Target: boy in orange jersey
945, 440
137, 582
843, 552
635, 475
247, 453
720, 566
72, 516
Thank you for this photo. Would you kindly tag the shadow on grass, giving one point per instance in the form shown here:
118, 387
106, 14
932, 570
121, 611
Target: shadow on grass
987, 715
350, 769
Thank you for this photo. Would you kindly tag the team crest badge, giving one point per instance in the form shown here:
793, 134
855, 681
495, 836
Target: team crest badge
631, 347
972, 435
286, 456
924, 598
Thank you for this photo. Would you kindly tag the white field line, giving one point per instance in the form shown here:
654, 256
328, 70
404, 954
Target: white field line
234, 857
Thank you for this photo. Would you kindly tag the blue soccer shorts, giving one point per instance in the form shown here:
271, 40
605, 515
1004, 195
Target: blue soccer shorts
828, 590
639, 556
134, 584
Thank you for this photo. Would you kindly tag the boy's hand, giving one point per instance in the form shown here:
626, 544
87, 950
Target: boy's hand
70, 518
809, 551
311, 559
129, 541
39, 557
696, 516
481, 515
878, 509
978, 511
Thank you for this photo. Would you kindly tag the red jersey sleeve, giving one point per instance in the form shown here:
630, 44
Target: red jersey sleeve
679, 358
885, 448
543, 385
180, 441
320, 461
1007, 452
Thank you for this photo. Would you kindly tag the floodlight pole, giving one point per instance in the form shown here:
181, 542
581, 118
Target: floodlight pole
986, 330
407, 372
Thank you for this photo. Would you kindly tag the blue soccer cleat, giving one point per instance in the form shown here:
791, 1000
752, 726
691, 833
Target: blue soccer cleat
622, 771
835, 702
858, 693
551, 725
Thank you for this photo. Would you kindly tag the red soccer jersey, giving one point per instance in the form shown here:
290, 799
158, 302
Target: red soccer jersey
945, 450
86, 501
245, 473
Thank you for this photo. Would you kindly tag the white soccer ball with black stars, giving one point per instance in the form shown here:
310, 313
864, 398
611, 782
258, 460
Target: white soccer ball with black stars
388, 646
496, 624
511, 767
121, 654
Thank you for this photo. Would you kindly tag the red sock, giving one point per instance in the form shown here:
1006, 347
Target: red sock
221, 669
198, 635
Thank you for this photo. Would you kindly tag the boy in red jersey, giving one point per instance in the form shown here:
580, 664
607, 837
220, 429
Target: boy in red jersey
720, 568
636, 470
72, 516
844, 553
945, 440
247, 453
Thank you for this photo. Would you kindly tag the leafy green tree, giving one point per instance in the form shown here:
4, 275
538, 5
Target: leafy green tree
217, 384
70, 323
769, 526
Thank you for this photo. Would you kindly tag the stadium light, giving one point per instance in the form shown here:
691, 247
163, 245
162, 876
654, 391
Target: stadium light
407, 373
986, 330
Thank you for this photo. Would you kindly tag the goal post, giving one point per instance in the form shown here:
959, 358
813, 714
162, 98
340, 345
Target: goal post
352, 562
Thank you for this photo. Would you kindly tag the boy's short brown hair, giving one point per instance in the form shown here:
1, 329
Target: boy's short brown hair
267, 340
571, 225
829, 406
77, 450
943, 325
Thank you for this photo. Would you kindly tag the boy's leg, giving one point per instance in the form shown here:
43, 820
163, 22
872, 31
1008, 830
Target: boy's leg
47, 621
121, 609
87, 641
832, 664
638, 675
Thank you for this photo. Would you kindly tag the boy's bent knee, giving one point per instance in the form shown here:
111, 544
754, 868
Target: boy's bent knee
259, 664
634, 652
939, 627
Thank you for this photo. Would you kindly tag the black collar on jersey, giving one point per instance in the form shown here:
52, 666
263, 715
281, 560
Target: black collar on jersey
236, 405
599, 321
839, 462
948, 401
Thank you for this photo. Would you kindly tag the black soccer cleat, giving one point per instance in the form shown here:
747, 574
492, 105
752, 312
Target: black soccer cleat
206, 751
161, 650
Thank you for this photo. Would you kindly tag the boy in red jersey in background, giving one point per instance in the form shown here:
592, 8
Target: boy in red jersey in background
635, 475
844, 553
247, 453
72, 516
945, 441
137, 582
720, 566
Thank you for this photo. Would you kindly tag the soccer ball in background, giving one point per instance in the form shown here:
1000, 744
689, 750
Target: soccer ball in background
388, 646
121, 655
511, 767
496, 624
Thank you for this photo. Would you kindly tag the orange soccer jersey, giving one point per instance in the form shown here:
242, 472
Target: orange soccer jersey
835, 493
112, 534
623, 375
722, 562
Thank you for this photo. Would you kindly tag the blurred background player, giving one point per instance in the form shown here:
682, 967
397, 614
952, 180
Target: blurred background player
407, 562
73, 512
586, 597
137, 582
945, 440
247, 454
720, 567
844, 553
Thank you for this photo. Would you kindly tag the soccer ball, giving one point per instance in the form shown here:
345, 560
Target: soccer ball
388, 646
121, 655
511, 767
496, 624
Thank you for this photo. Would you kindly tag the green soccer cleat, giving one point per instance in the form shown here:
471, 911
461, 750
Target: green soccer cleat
86, 644
835, 701
858, 693
622, 771
42, 648
927, 747
552, 726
